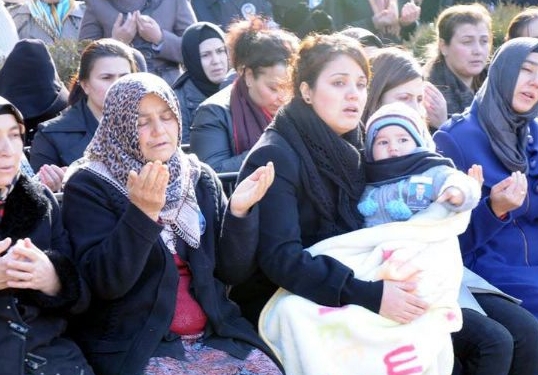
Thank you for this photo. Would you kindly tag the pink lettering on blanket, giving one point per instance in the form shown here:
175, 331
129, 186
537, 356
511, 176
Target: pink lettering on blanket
399, 360
326, 309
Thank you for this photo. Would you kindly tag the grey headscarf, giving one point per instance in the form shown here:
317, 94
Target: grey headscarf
507, 130
114, 150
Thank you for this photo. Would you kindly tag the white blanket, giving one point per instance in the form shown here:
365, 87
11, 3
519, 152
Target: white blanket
311, 339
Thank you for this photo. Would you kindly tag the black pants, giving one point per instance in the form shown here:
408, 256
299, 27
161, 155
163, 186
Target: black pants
504, 342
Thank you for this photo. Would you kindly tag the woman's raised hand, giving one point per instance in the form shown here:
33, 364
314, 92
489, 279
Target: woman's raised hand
147, 190
508, 194
251, 190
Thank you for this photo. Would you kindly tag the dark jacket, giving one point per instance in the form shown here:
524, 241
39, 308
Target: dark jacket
31, 323
63, 139
189, 97
222, 13
289, 223
134, 280
212, 138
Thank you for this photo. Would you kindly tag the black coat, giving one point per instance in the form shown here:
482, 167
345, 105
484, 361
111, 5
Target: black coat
212, 133
63, 139
31, 323
289, 223
133, 277
222, 13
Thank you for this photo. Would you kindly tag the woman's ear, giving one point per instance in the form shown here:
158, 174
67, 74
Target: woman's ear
83, 86
304, 88
249, 76
443, 47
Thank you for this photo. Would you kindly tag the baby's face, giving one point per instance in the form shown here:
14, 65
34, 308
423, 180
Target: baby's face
392, 141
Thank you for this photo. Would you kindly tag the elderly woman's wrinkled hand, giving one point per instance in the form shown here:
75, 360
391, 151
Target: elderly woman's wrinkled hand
28, 267
251, 190
52, 176
147, 190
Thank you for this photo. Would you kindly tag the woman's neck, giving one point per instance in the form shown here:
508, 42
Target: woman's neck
97, 112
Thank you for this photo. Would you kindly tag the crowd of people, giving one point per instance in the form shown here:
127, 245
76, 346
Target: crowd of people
346, 150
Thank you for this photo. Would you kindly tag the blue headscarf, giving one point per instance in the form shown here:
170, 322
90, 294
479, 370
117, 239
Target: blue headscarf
506, 129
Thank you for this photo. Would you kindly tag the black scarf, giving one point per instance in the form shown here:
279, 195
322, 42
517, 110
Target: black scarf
395, 169
331, 168
506, 129
458, 96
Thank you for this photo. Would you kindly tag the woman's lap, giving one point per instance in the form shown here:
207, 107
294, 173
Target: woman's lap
484, 343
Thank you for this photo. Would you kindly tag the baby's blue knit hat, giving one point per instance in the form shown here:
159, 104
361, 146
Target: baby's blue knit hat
399, 114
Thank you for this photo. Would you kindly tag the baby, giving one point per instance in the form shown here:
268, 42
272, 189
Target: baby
404, 175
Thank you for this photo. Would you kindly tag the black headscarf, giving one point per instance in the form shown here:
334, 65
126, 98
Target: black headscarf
506, 129
331, 168
30, 81
190, 49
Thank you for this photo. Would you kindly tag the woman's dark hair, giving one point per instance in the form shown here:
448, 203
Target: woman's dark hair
520, 23
94, 51
391, 67
317, 50
254, 44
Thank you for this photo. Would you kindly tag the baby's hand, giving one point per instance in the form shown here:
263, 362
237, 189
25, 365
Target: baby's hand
452, 195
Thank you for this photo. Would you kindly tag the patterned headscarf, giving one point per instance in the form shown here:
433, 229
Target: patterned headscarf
506, 129
115, 150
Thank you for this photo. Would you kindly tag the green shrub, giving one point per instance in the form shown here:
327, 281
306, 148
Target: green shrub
66, 56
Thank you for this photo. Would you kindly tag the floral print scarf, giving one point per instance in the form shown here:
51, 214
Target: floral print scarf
114, 151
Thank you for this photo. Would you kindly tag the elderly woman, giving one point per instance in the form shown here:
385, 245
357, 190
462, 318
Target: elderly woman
145, 221
39, 285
